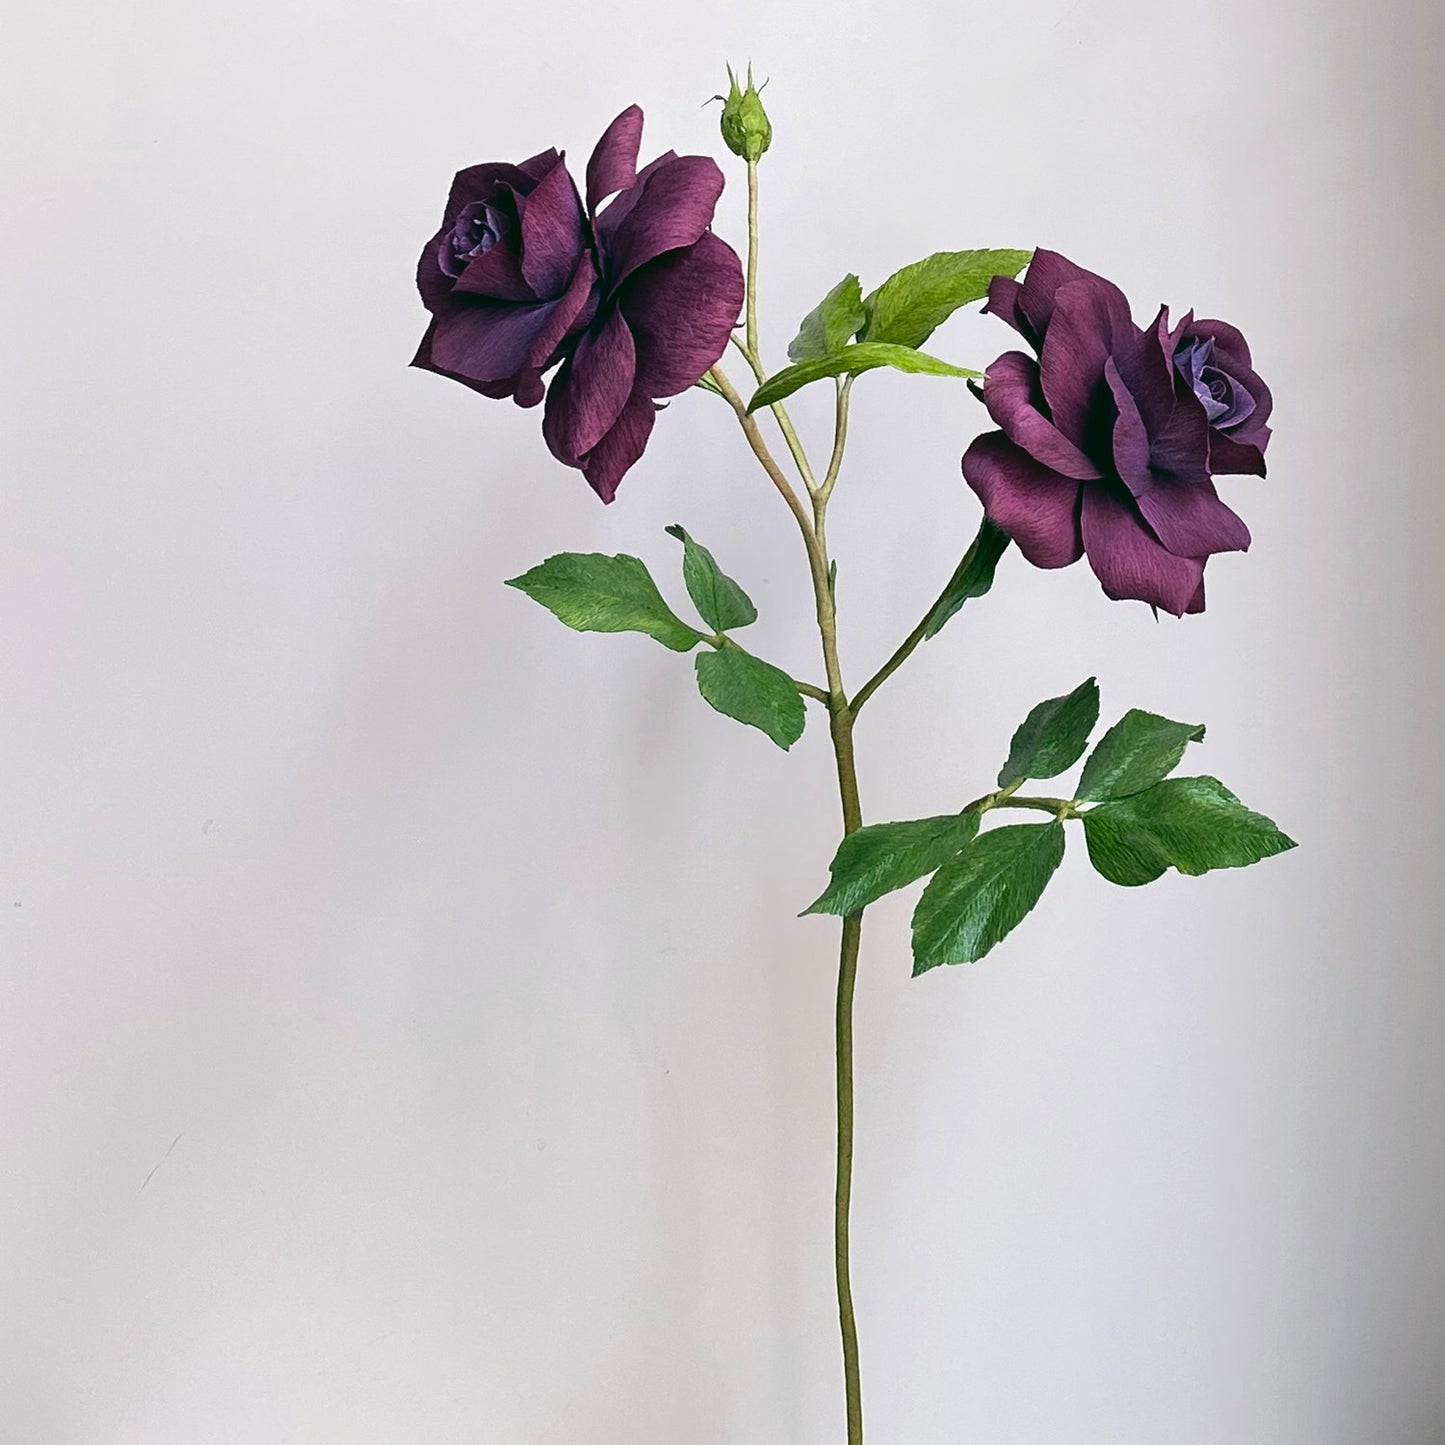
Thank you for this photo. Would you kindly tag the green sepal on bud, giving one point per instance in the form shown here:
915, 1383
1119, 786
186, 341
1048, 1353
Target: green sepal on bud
746, 129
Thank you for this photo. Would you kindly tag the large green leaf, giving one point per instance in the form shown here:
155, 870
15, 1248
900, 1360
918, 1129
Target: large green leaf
1139, 750
885, 856
596, 593
851, 361
831, 324
984, 892
752, 691
912, 302
720, 602
1053, 736
974, 576
1192, 824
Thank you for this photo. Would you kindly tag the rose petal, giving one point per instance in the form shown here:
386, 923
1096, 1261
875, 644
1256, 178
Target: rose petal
673, 208
570, 314
682, 308
432, 282
494, 389
530, 388
1174, 418
1146, 367
1228, 456
1085, 327
1129, 561
1131, 440
588, 394
1036, 506
1047, 274
613, 164
1190, 520
1014, 397
609, 461
489, 341
552, 233
1228, 340
480, 183
1003, 302
496, 275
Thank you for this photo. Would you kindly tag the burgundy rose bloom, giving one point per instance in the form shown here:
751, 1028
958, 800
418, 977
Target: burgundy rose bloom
507, 279
667, 300
1109, 437
635, 299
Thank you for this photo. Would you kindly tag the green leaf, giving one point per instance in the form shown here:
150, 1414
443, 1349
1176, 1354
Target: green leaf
912, 302
1053, 736
886, 856
1192, 824
831, 324
752, 691
974, 576
984, 893
720, 602
595, 593
1139, 750
851, 361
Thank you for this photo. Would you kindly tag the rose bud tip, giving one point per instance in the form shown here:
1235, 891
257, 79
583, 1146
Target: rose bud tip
746, 129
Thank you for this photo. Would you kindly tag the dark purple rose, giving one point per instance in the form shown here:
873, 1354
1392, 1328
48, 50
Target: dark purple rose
1108, 439
508, 278
668, 298
635, 299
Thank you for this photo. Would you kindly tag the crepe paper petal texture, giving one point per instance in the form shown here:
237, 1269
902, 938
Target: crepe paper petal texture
1110, 434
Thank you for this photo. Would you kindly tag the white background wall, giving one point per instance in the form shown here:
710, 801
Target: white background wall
405, 1034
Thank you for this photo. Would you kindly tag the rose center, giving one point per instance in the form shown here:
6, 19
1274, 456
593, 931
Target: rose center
1226, 402
478, 228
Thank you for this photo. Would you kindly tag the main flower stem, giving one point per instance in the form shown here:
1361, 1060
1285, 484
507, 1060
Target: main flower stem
840, 726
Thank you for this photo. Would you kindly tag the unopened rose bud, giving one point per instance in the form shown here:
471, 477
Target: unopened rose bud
746, 129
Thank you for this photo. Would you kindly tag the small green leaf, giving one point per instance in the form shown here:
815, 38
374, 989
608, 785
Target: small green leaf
886, 856
1192, 824
830, 325
1053, 736
720, 602
595, 593
851, 361
974, 576
751, 691
912, 302
1139, 750
984, 893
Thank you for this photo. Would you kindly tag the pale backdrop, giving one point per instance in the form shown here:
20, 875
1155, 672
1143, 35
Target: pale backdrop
405, 1034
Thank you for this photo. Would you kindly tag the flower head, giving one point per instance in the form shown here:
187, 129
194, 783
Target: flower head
632, 300
1110, 432
668, 296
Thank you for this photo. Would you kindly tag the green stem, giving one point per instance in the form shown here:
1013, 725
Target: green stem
750, 348
840, 720
840, 438
752, 301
